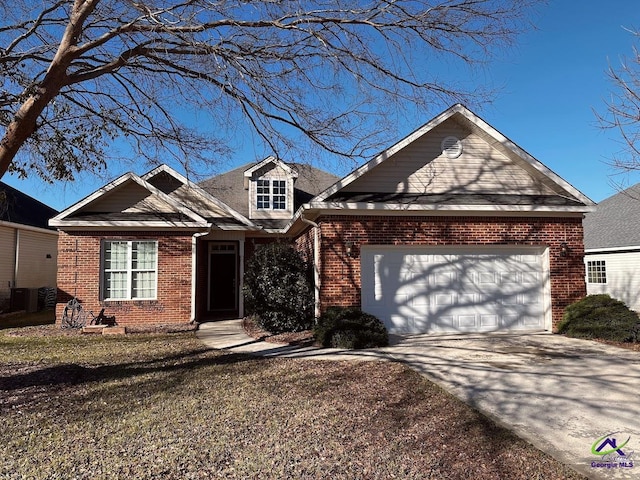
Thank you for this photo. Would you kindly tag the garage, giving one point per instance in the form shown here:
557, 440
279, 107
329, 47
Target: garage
457, 289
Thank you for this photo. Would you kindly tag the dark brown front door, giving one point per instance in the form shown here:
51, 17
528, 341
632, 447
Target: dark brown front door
223, 276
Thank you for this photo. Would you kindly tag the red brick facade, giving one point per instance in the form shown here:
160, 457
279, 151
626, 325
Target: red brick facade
79, 260
79, 275
340, 274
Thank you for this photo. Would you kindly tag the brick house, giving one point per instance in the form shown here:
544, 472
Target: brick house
454, 228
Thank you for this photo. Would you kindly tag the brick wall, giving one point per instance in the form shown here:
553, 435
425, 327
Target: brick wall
79, 275
340, 273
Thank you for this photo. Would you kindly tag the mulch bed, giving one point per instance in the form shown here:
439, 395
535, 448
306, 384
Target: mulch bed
292, 338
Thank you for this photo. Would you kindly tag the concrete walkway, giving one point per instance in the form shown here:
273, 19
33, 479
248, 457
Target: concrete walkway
560, 394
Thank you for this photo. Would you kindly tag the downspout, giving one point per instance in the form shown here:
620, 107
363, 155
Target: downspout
316, 264
194, 270
16, 258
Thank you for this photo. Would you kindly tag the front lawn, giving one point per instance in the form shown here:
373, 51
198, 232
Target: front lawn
162, 406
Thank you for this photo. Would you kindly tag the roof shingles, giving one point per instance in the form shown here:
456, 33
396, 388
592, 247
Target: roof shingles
616, 221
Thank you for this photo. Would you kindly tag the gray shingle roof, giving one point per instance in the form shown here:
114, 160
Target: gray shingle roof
615, 222
229, 187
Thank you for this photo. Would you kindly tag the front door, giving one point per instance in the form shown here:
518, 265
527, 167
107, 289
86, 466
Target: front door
223, 276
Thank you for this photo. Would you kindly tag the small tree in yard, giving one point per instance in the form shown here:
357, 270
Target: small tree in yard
277, 289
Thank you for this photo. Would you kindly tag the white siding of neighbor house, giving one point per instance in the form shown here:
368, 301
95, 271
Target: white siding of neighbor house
35, 270
623, 277
7, 259
422, 168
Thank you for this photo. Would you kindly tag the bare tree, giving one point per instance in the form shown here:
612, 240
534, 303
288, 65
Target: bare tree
623, 110
77, 74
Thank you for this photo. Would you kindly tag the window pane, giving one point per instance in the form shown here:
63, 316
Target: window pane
143, 285
263, 187
263, 201
279, 202
115, 284
115, 255
279, 194
596, 272
143, 255
279, 187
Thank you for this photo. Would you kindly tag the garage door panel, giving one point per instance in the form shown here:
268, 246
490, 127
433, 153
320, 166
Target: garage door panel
413, 290
467, 322
489, 321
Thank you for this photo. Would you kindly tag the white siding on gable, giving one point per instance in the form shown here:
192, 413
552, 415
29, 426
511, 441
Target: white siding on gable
623, 277
7, 261
422, 168
131, 198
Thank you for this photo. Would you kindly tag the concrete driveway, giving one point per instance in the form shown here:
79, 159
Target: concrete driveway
563, 395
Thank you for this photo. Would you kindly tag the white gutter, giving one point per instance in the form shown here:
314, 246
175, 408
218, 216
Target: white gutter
316, 264
194, 269
28, 228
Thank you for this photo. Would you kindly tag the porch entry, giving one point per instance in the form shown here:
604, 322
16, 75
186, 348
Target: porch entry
223, 277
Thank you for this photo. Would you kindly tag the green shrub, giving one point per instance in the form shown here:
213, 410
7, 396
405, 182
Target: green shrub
278, 290
599, 316
342, 327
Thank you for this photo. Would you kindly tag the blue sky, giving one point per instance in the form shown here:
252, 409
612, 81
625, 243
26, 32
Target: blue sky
549, 84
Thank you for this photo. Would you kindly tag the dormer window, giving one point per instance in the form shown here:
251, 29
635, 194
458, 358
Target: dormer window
271, 194
269, 186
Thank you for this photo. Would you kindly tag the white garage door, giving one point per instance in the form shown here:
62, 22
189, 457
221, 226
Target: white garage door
479, 289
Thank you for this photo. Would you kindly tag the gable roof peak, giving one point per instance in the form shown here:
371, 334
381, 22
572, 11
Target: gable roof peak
271, 159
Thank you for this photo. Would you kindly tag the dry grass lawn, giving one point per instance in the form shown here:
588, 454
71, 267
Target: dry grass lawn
162, 406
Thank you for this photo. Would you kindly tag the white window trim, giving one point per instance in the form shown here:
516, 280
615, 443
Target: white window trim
129, 271
594, 273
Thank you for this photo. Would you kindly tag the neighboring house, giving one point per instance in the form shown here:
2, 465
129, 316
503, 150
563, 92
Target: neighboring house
612, 247
28, 246
454, 228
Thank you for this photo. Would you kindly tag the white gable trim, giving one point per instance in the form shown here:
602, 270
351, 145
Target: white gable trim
60, 220
479, 123
167, 169
271, 159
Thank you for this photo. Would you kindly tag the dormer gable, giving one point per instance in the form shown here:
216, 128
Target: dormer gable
270, 185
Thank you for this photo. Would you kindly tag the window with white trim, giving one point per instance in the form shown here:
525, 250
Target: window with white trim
596, 271
130, 269
271, 194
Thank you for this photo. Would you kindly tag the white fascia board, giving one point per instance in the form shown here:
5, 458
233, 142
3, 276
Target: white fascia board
339, 207
271, 159
612, 249
90, 198
480, 124
513, 147
55, 221
30, 228
167, 169
76, 224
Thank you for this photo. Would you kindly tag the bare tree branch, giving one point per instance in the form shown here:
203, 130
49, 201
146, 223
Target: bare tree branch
75, 75
623, 112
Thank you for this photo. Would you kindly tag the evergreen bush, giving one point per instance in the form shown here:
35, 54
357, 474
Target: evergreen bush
600, 316
278, 290
351, 328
